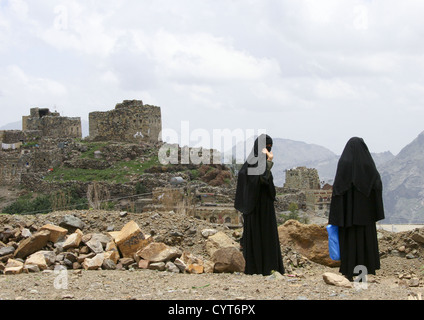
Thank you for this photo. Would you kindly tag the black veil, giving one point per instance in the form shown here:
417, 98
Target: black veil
356, 167
357, 189
356, 206
248, 182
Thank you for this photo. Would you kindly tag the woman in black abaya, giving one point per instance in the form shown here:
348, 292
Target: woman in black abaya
356, 206
255, 196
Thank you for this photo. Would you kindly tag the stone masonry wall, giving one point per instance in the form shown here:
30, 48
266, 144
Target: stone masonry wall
131, 120
302, 178
48, 153
51, 124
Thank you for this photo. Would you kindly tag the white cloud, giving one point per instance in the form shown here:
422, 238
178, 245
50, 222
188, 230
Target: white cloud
20, 83
203, 57
21, 91
334, 89
210, 61
76, 28
19, 8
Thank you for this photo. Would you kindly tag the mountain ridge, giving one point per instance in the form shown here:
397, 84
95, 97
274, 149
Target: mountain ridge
403, 184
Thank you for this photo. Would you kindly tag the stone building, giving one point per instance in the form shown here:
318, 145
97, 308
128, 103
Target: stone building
51, 124
318, 200
130, 120
35, 148
302, 178
215, 208
33, 157
204, 206
307, 180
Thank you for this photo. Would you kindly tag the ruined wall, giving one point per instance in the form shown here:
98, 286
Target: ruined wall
51, 124
45, 136
283, 201
45, 154
35, 149
131, 120
13, 155
10, 170
15, 136
302, 178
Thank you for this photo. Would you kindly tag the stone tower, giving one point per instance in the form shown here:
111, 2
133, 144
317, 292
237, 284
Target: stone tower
51, 124
131, 120
302, 178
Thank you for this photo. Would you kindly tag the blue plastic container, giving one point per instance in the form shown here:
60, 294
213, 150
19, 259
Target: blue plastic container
333, 242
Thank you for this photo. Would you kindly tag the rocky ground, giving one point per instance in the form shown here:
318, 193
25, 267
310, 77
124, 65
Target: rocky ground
401, 276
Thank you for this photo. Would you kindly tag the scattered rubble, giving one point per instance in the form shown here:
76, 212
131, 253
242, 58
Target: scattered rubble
50, 246
171, 243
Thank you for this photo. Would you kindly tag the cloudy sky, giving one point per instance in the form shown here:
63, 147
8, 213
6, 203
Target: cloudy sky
307, 70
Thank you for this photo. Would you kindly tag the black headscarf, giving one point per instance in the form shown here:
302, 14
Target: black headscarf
248, 183
356, 167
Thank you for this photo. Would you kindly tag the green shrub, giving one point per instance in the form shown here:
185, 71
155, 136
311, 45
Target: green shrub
25, 205
45, 203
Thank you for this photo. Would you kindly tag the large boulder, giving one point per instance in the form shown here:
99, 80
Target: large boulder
56, 233
32, 244
418, 235
228, 259
74, 240
219, 240
310, 240
94, 263
336, 280
130, 239
72, 223
14, 267
159, 252
225, 253
37, 259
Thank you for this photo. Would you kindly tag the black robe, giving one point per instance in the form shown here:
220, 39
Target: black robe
356, 206
255, 196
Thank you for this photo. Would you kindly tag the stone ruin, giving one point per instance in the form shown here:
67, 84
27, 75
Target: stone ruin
38, 146
212, 206
302, 178
130, 120
51, 124
303, 187
46, 137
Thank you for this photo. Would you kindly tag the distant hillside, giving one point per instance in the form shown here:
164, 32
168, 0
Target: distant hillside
12, 126
289, 154
403, 182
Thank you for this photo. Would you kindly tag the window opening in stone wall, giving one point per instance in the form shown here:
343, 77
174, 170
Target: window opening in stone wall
43, 112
